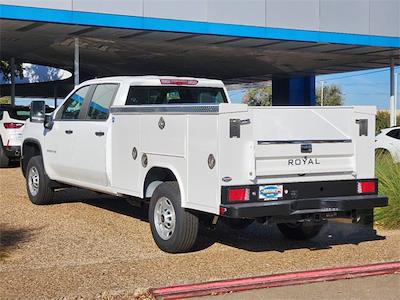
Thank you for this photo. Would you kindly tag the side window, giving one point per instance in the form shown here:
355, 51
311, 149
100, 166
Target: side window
72, 107
394, 134
99, 106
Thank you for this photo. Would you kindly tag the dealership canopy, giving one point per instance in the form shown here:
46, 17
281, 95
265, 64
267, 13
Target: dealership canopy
237, 41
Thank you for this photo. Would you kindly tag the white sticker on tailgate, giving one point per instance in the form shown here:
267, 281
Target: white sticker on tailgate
271, 192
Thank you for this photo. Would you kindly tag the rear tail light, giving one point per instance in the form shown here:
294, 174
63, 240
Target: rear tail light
13, 125
365, 187
178, 81
238, 195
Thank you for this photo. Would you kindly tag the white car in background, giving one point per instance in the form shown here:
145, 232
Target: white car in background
12, 120
388, 140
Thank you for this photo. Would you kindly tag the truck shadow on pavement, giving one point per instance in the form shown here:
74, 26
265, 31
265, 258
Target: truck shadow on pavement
12, 237
255, 238
106, 202
260, 238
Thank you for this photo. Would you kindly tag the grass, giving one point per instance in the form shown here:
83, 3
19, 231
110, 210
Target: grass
388, 174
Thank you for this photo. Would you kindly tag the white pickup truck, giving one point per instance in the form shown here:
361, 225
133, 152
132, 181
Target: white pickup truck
181, 146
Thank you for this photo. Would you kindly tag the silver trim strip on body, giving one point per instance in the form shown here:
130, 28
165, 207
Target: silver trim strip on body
126, 109
305, 142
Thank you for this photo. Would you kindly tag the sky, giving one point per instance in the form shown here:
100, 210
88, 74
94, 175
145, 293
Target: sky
359, 88
363, 88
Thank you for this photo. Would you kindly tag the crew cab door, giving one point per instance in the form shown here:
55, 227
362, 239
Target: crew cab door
59, 142
90, 162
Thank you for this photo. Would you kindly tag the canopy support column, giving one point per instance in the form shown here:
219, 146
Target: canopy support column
12, 91
392, 95
76, 61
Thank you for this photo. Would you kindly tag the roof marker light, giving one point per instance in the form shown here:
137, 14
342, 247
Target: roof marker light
179, 81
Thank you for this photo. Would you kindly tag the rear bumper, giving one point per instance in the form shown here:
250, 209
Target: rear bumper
297, 207
12, 151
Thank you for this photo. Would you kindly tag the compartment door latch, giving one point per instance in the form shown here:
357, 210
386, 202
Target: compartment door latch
363, 126
234, 127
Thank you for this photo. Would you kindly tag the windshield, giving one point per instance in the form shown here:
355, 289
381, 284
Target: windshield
145, 95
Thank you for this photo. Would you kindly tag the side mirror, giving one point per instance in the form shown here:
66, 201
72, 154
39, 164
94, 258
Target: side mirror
48, 122
38, 111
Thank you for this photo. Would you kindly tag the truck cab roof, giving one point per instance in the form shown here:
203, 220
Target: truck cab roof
158, 81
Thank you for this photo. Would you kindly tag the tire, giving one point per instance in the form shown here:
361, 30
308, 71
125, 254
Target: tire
4, 160
300, 231
38, 183
238, 224
174, 229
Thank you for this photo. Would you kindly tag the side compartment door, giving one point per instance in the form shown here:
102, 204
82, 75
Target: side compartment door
126, 148
59, 142
93, 136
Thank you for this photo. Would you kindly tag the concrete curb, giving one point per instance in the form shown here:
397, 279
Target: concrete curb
243, 284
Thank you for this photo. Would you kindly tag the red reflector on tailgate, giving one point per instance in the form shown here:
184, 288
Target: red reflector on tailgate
238, 195
366, 187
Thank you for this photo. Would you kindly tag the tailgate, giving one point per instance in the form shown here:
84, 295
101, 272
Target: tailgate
303, 141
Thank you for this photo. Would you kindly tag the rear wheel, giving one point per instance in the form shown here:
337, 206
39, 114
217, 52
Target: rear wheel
300, 230
37, 182
4, 160
174, 229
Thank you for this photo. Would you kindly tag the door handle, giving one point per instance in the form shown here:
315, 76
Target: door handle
68, 131
99, 133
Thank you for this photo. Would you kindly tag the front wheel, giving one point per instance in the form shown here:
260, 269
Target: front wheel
174, 229
37, 182
300, 230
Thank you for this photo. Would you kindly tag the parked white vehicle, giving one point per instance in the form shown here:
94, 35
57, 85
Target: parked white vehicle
12, 120
388, 140
180, 145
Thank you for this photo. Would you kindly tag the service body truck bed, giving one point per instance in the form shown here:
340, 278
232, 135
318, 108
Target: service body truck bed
179, 144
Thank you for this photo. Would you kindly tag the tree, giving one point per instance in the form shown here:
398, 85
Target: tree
5, 68
383, 120
261, 96
333, 95
5, 100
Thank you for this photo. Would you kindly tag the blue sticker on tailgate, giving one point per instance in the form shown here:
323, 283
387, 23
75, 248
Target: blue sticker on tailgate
271, 192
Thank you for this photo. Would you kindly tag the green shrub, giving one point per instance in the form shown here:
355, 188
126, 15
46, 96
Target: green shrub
388, 174
383, 120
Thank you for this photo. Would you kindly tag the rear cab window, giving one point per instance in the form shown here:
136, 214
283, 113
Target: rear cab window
152, 95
